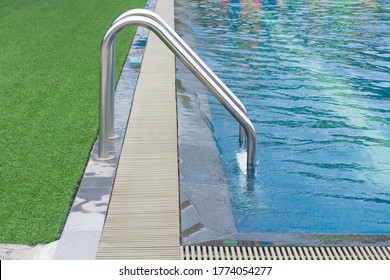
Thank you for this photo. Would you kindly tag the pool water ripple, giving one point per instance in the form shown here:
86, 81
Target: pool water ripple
315, 79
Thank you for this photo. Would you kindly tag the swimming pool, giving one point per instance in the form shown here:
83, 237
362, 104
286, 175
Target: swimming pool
315, 79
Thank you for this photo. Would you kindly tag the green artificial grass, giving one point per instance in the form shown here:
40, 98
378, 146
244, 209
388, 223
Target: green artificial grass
49, 96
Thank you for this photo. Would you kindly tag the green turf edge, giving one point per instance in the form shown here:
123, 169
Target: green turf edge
49, 77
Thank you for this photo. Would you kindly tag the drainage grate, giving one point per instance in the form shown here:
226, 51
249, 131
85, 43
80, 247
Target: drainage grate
284, 253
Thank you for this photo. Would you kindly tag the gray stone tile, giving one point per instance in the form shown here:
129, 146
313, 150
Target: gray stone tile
97, 196
79, 221
78, 246
189, 217
97, 182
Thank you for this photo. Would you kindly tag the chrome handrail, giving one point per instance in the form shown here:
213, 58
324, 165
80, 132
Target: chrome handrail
190, 52
106, 83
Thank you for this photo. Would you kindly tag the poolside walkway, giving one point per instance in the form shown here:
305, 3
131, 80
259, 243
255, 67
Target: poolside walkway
143, 220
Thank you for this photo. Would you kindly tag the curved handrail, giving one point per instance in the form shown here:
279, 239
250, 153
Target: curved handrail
190, 52
180, 52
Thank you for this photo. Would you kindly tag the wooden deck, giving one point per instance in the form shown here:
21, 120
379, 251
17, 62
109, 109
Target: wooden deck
143, 219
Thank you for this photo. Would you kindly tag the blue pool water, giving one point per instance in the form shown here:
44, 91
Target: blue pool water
315, 79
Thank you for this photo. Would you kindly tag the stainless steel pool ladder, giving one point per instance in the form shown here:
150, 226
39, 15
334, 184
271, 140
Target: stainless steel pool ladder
172, 40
